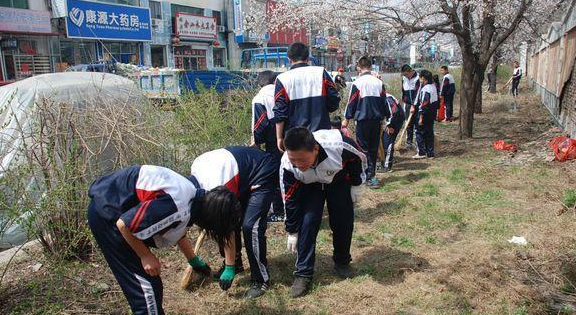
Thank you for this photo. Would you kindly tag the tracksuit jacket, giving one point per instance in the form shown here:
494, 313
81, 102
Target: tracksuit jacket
367, 99
263, 122
157, 205
304, 96
448, 86
410, 87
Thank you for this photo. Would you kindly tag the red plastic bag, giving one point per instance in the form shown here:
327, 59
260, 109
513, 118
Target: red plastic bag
564, 148
501, 145
441, 111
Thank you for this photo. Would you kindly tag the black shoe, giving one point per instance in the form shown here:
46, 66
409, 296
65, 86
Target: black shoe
239, 268
344, 271
388, 170
257, 289
300, 287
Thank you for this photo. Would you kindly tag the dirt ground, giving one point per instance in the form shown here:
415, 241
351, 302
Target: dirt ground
432, 240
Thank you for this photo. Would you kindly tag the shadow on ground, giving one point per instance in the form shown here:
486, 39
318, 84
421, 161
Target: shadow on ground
388, 265
382, 208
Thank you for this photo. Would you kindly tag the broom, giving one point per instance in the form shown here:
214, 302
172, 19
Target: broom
401, 139
191, 279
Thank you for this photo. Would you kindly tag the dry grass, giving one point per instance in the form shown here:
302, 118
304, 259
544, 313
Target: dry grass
433, 240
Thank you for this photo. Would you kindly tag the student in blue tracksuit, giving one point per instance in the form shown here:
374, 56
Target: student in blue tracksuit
264, 131
394, 121
447, 92
367, 106
151, 206
317, 168
304, 95
252, 175
410, 87
516, 76
427, 104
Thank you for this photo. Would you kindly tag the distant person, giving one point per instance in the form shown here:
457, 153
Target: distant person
340, 80
394, 121
410, 87
427, 103
320, 168
264, 131
367, 106
516, 76
304, 95
447, 92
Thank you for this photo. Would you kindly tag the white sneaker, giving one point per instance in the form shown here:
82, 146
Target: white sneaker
418, 157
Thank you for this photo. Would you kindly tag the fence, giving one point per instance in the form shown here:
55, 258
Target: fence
552, 72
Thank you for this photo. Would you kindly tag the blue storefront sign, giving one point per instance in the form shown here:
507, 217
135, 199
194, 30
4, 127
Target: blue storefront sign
86, 19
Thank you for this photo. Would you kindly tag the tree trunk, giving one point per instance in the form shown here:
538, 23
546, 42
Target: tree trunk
470, 94
492, 76
467, 100
478, 104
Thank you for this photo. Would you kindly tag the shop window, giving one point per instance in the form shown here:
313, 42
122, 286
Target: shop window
18, 4
186, 9
219, 57
218, 16
124, 52
155, 10
190, 59
76, 53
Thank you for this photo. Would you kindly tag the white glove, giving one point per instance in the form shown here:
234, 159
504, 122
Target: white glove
356, 193
292, 243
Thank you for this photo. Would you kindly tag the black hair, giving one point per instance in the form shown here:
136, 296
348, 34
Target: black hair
427, 75
364, 63
336, 122
405, 68
444, 68
299, 138
266, 77
436, 79
220, 214
298, 51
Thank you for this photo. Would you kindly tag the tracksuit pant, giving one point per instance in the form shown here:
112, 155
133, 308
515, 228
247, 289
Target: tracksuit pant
449, 104
254, 225
368, 137
277, 201
410, 130
425, 134
515, 84
341, 214
388, 146
143, 292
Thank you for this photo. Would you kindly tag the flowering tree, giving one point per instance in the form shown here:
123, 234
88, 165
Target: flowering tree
480, 28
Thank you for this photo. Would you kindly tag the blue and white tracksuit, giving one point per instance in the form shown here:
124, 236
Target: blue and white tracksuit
340, 165
448, 90
395, 120
410, 88
367, 106
516, 76
156, 204
427, 106
304, 96
264, 132
252, 175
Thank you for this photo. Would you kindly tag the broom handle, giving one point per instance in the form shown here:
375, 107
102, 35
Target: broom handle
199, 241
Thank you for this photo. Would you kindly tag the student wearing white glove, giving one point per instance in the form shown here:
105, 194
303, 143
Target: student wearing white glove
319, 167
